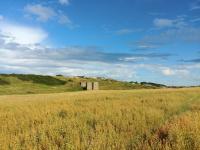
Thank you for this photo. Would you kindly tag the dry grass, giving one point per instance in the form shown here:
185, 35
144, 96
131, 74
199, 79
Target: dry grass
140, 119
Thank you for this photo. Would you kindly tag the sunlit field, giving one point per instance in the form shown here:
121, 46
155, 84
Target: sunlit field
102, 120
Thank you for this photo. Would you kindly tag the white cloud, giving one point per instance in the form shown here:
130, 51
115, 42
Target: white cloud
179, 72
168, 72
1, 17
195, 8
68, 61
168, 23
64, 2
22, 34
44, 14
184, 34
41, 12
17, 58
144, 46
133, 59
159, 22
195, 20
195, 5
125, 31
63, 19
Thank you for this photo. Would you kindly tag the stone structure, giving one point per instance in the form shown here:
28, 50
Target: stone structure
83, 84
95, 85
90, 85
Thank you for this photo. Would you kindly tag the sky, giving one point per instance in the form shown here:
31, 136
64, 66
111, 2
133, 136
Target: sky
130, 40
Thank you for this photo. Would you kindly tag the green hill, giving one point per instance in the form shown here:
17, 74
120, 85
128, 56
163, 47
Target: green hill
30, 84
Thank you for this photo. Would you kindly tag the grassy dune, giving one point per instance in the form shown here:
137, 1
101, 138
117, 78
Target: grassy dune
139, 119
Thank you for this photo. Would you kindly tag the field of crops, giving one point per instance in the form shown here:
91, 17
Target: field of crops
102, 120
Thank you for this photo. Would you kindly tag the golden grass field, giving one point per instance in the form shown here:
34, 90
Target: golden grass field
102, 120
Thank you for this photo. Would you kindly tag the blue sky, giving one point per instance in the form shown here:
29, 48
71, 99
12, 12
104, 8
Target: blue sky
133, 40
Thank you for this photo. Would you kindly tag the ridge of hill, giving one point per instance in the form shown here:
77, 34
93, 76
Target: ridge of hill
31, 84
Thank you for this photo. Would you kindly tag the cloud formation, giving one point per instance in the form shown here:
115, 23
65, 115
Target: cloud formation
169, 31
1, 17
45, 13
195, 20
197, 60
176, 72
143, 45
159, 22
22, 34
170, 36
75, 60
168, 72
126, 31
64, 2
42, 13
170, 23
195, 5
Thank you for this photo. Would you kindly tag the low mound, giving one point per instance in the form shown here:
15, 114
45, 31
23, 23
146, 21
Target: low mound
33, 84
39, 79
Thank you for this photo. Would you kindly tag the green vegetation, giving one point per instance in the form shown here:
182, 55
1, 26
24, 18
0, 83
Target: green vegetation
47, 80
3, 82
30, 84
152, 84
129, 119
